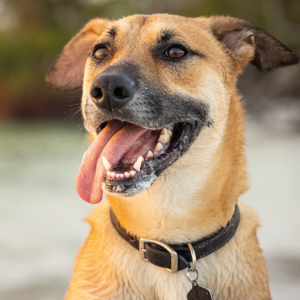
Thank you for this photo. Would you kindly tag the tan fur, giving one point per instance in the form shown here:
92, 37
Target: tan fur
196, 195
109, 268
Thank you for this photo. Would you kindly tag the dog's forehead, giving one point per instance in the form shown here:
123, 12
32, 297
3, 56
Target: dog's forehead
150, 28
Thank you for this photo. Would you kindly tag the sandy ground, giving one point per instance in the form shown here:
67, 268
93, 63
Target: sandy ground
41, 214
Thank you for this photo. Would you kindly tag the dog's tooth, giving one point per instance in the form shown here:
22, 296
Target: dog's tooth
127, 175
137, 165
163, 138
108, 173
166, 138
164, 131
106, 164
113, 175
121, 176
158, 147
170, 127
149, 154
132, 173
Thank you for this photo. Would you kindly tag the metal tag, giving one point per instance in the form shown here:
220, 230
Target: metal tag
199, 293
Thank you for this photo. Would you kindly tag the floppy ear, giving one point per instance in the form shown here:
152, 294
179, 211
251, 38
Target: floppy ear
66, 72
252, 44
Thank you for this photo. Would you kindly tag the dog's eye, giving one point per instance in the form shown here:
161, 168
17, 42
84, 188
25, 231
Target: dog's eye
100, 53
175, 52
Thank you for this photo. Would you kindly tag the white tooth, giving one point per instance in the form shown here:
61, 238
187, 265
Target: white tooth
149, 154
106, 164
138, 163
112, 174
164, 131
170, 127
127, 175
163, 138
119, 176
108, 173
158, 147
132, 173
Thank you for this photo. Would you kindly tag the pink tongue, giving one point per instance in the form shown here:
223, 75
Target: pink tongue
113, 142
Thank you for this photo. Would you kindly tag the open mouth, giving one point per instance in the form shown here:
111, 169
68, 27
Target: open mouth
126, 158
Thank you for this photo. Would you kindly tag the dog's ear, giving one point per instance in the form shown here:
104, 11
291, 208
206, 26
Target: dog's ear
66, 73
252, 44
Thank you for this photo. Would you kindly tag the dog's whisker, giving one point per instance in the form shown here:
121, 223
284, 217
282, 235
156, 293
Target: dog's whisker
73, 115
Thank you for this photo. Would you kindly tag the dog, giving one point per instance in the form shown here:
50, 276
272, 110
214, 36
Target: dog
159, 100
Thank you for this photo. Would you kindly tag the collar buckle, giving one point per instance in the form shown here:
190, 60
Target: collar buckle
173, 253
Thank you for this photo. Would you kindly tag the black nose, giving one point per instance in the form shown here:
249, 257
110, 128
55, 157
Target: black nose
112, 91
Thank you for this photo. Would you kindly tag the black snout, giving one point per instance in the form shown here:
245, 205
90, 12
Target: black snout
112, 91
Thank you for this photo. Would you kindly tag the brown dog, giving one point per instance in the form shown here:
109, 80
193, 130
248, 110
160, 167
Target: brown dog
159, 99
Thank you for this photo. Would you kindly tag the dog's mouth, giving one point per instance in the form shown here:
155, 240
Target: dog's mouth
127, 158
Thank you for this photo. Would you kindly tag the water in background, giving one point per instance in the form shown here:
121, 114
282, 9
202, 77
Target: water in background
41, 227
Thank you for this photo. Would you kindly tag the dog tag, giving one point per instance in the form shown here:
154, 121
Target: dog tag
199, 293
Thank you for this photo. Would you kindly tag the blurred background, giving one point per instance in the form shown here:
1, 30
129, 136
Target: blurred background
42, 140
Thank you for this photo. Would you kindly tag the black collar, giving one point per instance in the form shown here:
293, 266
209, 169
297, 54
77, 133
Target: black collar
176, 257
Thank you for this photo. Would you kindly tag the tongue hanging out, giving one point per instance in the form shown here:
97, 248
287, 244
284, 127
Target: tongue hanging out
117, 142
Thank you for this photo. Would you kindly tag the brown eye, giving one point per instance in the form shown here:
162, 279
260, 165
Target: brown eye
100, 53
176, 52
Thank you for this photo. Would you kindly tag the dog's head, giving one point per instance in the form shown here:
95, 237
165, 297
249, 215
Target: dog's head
158, 88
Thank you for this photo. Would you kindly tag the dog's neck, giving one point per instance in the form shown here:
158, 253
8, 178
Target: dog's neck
196, 196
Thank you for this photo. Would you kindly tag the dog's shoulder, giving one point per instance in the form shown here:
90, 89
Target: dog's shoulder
245, 256
96, 272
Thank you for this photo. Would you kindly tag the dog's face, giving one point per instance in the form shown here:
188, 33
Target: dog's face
155, 89
170, 86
